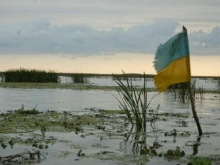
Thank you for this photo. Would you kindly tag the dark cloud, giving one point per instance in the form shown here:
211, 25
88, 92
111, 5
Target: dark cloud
39, 37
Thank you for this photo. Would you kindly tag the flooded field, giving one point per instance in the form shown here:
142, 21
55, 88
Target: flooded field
87, 127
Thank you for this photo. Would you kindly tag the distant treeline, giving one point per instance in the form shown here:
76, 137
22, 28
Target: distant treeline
33, 75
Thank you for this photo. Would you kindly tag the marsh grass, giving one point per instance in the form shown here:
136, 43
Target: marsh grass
218, 84
79, 78
27, 112
201, 92
33, 76
134, 102
181, 92
2, 77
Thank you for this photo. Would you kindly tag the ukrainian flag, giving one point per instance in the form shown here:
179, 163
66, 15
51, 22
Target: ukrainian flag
172, 62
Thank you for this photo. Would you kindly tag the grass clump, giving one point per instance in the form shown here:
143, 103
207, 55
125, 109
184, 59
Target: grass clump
174, 154
33, 76
133, 102
27, 112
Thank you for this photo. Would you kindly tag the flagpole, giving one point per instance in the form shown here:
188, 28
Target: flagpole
192, 103
193, 110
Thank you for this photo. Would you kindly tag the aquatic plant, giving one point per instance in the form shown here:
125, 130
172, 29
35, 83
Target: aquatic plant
175, 133
134, 102
79, 78
43, 130
218, 84
180, 90
201, 92
80, 153
2, 77
174, 154
33, 76
154, 117
201, 161
27, 112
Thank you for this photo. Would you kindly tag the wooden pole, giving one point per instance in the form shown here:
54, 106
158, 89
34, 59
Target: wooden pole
193, 110
190, 92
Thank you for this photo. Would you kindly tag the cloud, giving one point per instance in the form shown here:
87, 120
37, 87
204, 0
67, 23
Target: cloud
40, 37
205, 43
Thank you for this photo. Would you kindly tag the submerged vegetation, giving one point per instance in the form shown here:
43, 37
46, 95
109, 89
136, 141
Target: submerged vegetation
22, 120
33, 76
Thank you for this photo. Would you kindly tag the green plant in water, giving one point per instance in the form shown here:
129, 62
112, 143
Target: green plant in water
133, 102
174, 154
201, 92
180, 90
218, 84
201, 161
43, 130
2, 77
27, 112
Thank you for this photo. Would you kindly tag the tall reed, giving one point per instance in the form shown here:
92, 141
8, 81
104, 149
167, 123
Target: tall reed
33, 75
2, 77
201, 92
133, 102
180, 90
79, 78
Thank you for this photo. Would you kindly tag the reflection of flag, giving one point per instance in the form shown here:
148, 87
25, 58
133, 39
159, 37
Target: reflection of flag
172, 62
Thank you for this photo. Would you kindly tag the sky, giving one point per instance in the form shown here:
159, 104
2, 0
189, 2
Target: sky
106, 36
